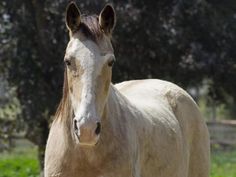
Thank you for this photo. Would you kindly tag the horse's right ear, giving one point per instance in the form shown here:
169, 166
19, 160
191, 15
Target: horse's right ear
72, 17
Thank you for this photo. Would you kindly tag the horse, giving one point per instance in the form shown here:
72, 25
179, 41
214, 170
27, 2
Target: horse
137, 128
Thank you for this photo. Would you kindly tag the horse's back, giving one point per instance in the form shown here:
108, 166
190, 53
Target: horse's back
156, 95
150, 89
159, 94
167, 103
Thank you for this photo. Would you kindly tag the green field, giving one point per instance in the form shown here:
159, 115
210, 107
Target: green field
19, 163
223, 164
23, 163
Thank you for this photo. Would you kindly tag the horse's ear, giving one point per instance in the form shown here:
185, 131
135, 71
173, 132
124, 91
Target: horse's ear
72, 17
107, 19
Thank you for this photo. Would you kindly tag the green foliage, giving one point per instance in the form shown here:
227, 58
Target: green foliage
223, 111
9, 104
9, 112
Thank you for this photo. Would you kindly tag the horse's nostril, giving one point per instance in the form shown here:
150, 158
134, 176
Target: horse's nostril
75, 125
98, 129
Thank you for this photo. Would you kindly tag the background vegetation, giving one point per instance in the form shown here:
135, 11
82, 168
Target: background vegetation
189, 42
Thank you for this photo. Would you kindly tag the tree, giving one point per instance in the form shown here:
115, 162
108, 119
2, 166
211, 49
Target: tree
32, 61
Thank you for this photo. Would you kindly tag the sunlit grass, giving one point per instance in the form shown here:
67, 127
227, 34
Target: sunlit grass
19, 163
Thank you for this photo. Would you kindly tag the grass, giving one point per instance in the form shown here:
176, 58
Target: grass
22, 162
223, 164
19, 163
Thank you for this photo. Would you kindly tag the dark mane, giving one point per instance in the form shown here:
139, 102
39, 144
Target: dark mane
90, 27
64, 107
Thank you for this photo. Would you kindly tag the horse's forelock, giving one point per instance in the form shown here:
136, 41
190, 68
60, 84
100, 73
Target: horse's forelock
90, 27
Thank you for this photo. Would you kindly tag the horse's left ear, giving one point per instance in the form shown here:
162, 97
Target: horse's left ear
107, 19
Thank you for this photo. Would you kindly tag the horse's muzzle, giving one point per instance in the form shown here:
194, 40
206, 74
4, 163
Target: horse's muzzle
87, 132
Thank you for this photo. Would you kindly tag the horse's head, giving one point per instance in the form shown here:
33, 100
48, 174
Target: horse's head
89, 58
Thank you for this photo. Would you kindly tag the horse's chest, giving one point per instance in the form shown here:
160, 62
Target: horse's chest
96, 166
105, 168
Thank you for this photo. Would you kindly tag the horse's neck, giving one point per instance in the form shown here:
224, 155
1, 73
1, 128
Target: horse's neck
119, 104
116, 103
118, 109
115, 98
114, 124
123, 114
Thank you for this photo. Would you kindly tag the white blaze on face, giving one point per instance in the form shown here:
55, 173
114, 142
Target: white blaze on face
91, 60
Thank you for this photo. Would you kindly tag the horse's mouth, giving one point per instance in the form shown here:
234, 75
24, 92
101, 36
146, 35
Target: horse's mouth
85, 144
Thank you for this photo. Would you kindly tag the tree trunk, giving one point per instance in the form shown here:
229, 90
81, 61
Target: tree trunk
37, 9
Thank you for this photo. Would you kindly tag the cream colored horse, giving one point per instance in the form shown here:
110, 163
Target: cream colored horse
141, 128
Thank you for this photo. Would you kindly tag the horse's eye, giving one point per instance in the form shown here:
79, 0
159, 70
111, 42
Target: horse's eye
111, 62
67, 62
